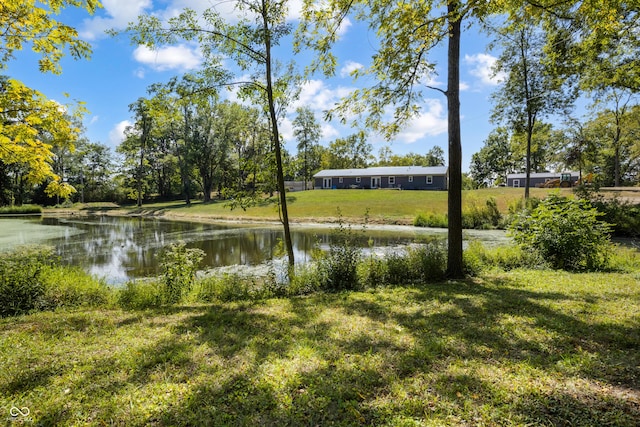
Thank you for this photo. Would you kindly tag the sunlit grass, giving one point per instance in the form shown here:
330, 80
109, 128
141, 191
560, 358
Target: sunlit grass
519, 348
382, 206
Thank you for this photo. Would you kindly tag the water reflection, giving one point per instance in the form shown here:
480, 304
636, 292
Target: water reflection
120, 249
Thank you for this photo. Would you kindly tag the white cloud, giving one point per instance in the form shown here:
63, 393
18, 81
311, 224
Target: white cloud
117, 14
464, 86
116, 135
349, 67
432, 121
285, 127
482, 68
94, 119
317, 96
179, 57
329, 132
344, 27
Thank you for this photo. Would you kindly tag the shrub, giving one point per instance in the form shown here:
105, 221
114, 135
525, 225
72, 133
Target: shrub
22, 286
477, 258
179, 265
430, 220
417, 264
338, 268
73, 287
427, 262
567, 233
398, 271
18, 210
227, 287
373, 272
140, 295
485, 217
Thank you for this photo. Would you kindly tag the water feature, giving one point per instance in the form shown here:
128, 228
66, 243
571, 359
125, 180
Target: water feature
121, 249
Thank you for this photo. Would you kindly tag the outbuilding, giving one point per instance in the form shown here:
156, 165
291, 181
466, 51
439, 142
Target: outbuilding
397, 177
538, 179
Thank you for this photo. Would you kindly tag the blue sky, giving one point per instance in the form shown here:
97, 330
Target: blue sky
118, 73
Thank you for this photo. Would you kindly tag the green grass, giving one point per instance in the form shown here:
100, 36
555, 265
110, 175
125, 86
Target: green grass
517, 348
20, 210
384, 206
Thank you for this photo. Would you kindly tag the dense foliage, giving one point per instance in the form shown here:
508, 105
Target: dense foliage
567, 233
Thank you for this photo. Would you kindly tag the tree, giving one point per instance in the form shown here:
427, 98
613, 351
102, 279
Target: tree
137, 143
433, 157
615, 130
530, 90
406, 31
30, 126
27, 22
91, 171
494, 161
249, 42
26, 116
350, 152
307, 131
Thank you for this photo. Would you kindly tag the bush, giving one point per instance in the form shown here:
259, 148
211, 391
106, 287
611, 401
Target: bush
339, 267
430, 220
22, 285
373, 272
20, 210
417, 264
73, 287
567, 233
179, 265
485, 217
140, 295
478, 258
428, 262
227, 287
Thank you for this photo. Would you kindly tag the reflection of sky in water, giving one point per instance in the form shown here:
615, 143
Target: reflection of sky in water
120, 249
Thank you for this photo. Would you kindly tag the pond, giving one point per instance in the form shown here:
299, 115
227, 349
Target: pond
124, 248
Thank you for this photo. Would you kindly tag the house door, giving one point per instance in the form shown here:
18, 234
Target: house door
375, 181
326, 182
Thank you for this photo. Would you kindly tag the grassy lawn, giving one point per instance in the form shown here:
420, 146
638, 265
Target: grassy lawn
384, 206
518, 348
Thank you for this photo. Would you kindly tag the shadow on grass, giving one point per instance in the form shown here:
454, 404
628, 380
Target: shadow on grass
460, 353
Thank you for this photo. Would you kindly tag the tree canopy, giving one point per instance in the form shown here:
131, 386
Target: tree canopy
31, 124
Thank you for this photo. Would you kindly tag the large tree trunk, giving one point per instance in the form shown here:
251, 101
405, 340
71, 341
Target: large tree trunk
454, 260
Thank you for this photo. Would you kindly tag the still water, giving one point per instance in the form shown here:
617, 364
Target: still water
120, 249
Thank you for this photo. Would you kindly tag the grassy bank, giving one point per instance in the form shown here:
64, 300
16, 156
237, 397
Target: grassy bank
383, 206
518, 348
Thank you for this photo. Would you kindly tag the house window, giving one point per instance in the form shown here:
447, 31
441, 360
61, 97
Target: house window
516, 183
411, 179
340, 180
429, 179
357, 180
392, 180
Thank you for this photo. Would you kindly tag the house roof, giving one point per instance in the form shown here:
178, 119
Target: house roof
540, 175
383, 171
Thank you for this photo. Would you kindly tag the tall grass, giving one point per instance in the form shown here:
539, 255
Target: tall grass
20, 210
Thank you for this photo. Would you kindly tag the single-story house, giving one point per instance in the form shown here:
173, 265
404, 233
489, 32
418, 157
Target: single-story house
538, 178
399, 177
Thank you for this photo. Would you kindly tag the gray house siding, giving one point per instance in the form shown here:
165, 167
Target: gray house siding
537, 179
377, 179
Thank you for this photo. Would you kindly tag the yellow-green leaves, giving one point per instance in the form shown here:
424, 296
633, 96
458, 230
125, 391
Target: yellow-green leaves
27, 22
30, 125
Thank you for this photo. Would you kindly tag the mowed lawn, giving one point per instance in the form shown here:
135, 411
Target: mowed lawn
383, 206
506, 349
